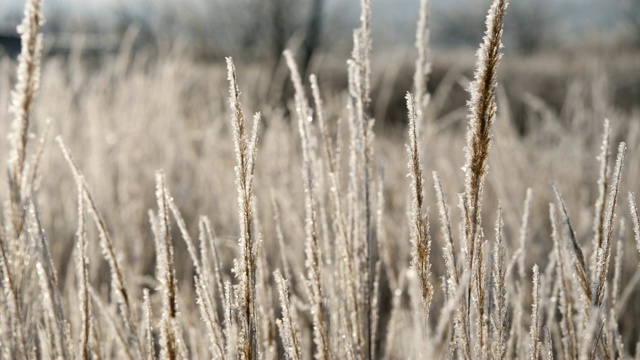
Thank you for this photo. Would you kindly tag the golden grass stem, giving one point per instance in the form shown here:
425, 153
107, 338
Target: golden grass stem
420, 238
534, 331
246, 151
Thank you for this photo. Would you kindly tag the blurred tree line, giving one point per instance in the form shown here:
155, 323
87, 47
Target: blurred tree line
262, 29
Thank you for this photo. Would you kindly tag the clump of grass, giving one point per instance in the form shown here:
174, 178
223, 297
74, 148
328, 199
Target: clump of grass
334, 275
13, 243
171, 344
109, 253
245, 267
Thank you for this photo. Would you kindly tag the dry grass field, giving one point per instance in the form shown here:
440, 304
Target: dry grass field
175, 210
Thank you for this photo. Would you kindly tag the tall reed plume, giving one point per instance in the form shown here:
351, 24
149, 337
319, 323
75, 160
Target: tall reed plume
245, 266
23, 97
482, 112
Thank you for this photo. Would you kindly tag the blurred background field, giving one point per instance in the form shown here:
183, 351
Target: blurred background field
550, 45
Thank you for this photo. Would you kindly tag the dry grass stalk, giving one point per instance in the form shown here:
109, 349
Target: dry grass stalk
420, 238
423, 66
615, 292
287, 326
313, 264
245, 267
343, 225
362, 152
103, 309
518, 259
375, 307
182, 226
13, 242
534, 331
324, 131
516, 333
603, 186
266, 303
205, 303
359, 64
36, 231
209, 316
313, 260
482, 108
205, 299
33, 180
577, 257
333, 165
352, 267
13, 305
604, 251
450, 314
303, 112
550, 293
230, 323
383, 260
149, 352
524, 231
56, 339
207, 241
499, 322
548, 343
569, 340
82, 267
354, 237
460, 333
286, 267
480, 299
445, 223
591, 336
635, 219
482, 111
170, 339
23, 96
361, 123
108, 251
